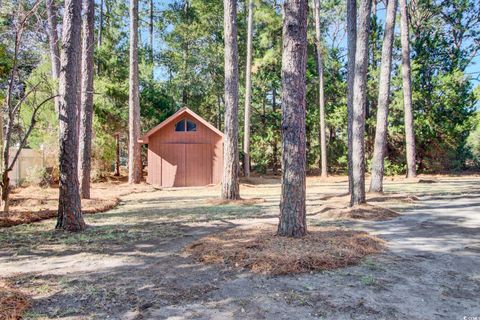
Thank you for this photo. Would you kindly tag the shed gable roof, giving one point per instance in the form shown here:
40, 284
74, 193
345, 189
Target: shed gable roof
174, 117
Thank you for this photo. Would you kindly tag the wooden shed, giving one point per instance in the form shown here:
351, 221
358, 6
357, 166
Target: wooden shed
184, 150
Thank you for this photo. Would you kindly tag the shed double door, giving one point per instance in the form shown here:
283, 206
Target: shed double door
185, 165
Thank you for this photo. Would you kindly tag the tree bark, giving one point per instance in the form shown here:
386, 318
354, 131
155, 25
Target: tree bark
359, 99
117, 155
53, 42
352, 46
321, 98
230, 184
219, 112
5, 191
186, 53
292, 202
248, 90
275, 141
134, 150
69, 208
376, 183
407, 91
86, 106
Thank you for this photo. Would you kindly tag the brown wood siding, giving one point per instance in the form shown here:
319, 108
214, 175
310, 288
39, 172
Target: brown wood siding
185, 158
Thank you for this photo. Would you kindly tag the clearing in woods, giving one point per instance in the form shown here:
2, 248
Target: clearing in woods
131, 262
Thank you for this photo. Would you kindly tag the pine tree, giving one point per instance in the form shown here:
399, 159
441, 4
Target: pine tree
69, 208
134, 148
86, 104
248, 91
376, 183
407, 91
321, 95
230, 184
292, 202
357, 195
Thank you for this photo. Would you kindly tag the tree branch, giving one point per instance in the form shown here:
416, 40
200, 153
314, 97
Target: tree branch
29, 131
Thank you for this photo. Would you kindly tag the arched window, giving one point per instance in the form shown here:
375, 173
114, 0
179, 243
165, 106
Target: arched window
180, 126
191, 126
185, 125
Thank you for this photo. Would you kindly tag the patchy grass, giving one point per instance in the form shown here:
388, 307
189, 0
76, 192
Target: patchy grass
369, 280
12, 303
261, 251
244, 202
32, 204
23, 239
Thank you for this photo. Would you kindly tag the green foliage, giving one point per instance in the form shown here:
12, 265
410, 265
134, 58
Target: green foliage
44, 132
187, 70
473, 140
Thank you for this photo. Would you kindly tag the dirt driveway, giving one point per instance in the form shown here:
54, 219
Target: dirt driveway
130, 265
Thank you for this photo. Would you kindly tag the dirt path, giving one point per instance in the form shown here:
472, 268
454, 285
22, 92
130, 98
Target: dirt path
431, 272
130, 265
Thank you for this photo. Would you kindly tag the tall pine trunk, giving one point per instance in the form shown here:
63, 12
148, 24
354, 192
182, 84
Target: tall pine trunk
69, 208
134, 148
230, 184
275, 140
359, 99
352, 46
248, 90
407, 91
117, 155
100, 25
376, 183
86, 106
292, 202
150, 35
321, 98
100, 31
53, 42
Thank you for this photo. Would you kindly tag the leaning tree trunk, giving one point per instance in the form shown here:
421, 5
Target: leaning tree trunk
352, 46
53, 42
248, 91
86, 105
376, 183
69, 209
321, 98
359, 99
407, 91
230, 185
134, 149
292, 202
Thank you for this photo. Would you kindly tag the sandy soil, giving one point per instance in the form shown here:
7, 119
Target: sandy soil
130, 263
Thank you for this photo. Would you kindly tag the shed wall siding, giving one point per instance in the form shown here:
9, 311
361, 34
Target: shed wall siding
201, 151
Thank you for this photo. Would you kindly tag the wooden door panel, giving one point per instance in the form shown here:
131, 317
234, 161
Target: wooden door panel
198, 164
173, 165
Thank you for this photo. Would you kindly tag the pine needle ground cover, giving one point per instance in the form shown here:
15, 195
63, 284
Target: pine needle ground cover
12, 303
259, 250
33, 203
362, 212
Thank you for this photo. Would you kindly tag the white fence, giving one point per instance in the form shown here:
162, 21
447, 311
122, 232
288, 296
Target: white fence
28, 161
